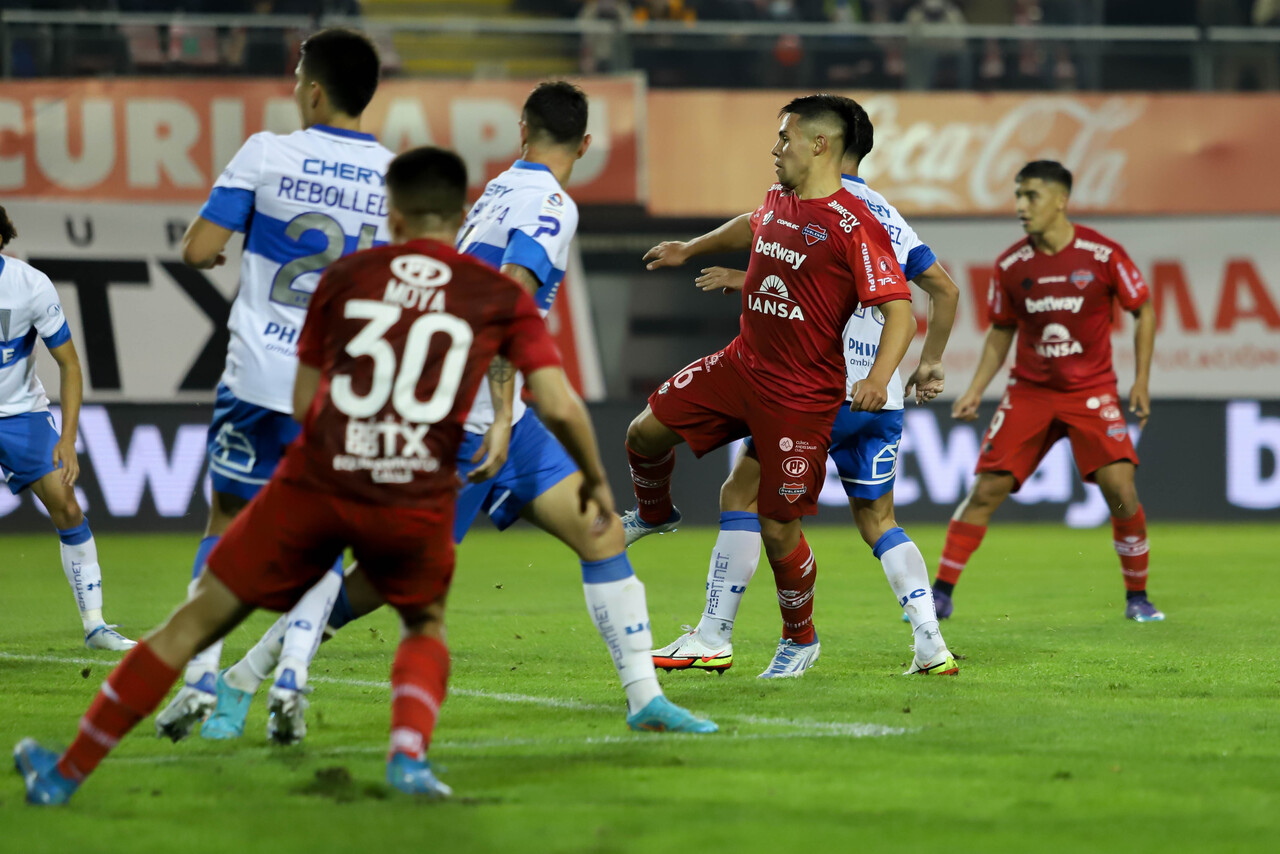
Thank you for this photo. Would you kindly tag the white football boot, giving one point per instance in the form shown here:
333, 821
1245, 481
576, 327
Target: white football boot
690, 652
792, 659
287, 703
191, 705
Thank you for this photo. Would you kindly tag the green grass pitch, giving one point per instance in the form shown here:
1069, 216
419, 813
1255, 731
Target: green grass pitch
1068, 728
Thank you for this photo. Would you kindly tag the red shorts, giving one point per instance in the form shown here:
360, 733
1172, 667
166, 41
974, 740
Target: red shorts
1032, 418
710, 403
288, 537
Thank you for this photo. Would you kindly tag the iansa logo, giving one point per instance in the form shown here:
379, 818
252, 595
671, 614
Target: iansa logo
772, 297
1056, 341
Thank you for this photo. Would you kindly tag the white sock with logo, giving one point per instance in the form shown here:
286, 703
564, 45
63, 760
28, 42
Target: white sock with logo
616, 603
908, 575
733, 562
80, 566
307, 620
260, 662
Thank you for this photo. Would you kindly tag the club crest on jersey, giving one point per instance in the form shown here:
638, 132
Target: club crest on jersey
1081, 278
773, 298
792, 491
813, 233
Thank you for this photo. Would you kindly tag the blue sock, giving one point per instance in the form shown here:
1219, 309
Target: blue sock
613, 568
77, 535
202, 554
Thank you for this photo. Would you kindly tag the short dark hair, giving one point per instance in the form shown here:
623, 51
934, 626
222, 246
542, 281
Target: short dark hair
7, 231
864, 133
1046, 170
427, 180
345, 64
831, 107
556, 110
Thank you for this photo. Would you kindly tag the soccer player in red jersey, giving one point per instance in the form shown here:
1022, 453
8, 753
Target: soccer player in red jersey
818, 253
396, 342
1055, 290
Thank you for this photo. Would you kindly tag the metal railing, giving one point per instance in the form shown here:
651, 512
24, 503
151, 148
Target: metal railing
713, 53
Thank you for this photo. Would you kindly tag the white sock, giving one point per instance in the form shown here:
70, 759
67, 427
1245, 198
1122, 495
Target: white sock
908, 575
260, 662
733, 562
616, 603
80, 566
307, 620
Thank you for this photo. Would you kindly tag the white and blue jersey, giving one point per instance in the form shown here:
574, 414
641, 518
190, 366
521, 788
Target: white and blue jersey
524, 217
29, 309
302, 200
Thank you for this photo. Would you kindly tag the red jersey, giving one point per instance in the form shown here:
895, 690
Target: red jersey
403, 336
813, 261
1062, 307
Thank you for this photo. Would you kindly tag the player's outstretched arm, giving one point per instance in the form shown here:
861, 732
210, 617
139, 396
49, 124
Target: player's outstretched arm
1144, 343
733, 235
70, 394
203, 243
872, 393
929, 377
565, 416
995, 349
721, 279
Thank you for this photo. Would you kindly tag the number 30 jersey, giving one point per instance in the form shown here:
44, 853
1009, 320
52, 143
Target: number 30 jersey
402, 337
302, 200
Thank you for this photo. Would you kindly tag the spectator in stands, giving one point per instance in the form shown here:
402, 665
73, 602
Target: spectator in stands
937, 62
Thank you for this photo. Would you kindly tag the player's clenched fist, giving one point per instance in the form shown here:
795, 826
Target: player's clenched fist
869, 396
669, 253
966, 406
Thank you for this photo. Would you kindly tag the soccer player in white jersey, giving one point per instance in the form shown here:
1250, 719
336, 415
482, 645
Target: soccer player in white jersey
302, 200
864, 446
32, 454
522, 224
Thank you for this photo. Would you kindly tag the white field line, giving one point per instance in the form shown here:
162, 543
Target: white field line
804, 728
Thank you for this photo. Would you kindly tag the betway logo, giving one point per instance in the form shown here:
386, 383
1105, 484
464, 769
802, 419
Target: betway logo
1071, 304
782, 253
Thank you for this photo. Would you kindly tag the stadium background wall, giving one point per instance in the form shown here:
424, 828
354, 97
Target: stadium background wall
144, 468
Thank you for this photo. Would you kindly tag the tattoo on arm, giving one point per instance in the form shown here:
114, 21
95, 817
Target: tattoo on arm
501, 370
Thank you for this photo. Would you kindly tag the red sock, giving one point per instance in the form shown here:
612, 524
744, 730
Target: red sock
1130, 537
651, 477
963, 540
132, 691
418, 679
795, 576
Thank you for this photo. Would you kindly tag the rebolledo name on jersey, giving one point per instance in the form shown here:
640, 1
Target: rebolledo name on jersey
1071, 304
772, 297
1056, 341
354, 199
773, 249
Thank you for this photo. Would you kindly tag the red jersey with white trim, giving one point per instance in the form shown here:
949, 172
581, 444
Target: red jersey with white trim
813, 262
403, 336
1062, 306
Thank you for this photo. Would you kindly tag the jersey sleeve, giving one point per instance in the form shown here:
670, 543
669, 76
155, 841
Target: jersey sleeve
527, 343
1126, 280
231, 200
46, 313
755, 218
913, 254
877, 275
539, 242
999, 307
311, 340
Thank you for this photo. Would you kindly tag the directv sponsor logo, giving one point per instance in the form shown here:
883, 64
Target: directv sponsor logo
1024, 253
1100, 253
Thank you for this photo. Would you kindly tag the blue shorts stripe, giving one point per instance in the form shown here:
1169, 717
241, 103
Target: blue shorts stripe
26, 447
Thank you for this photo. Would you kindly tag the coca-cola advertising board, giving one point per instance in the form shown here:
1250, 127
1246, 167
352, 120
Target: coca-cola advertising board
956, 153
